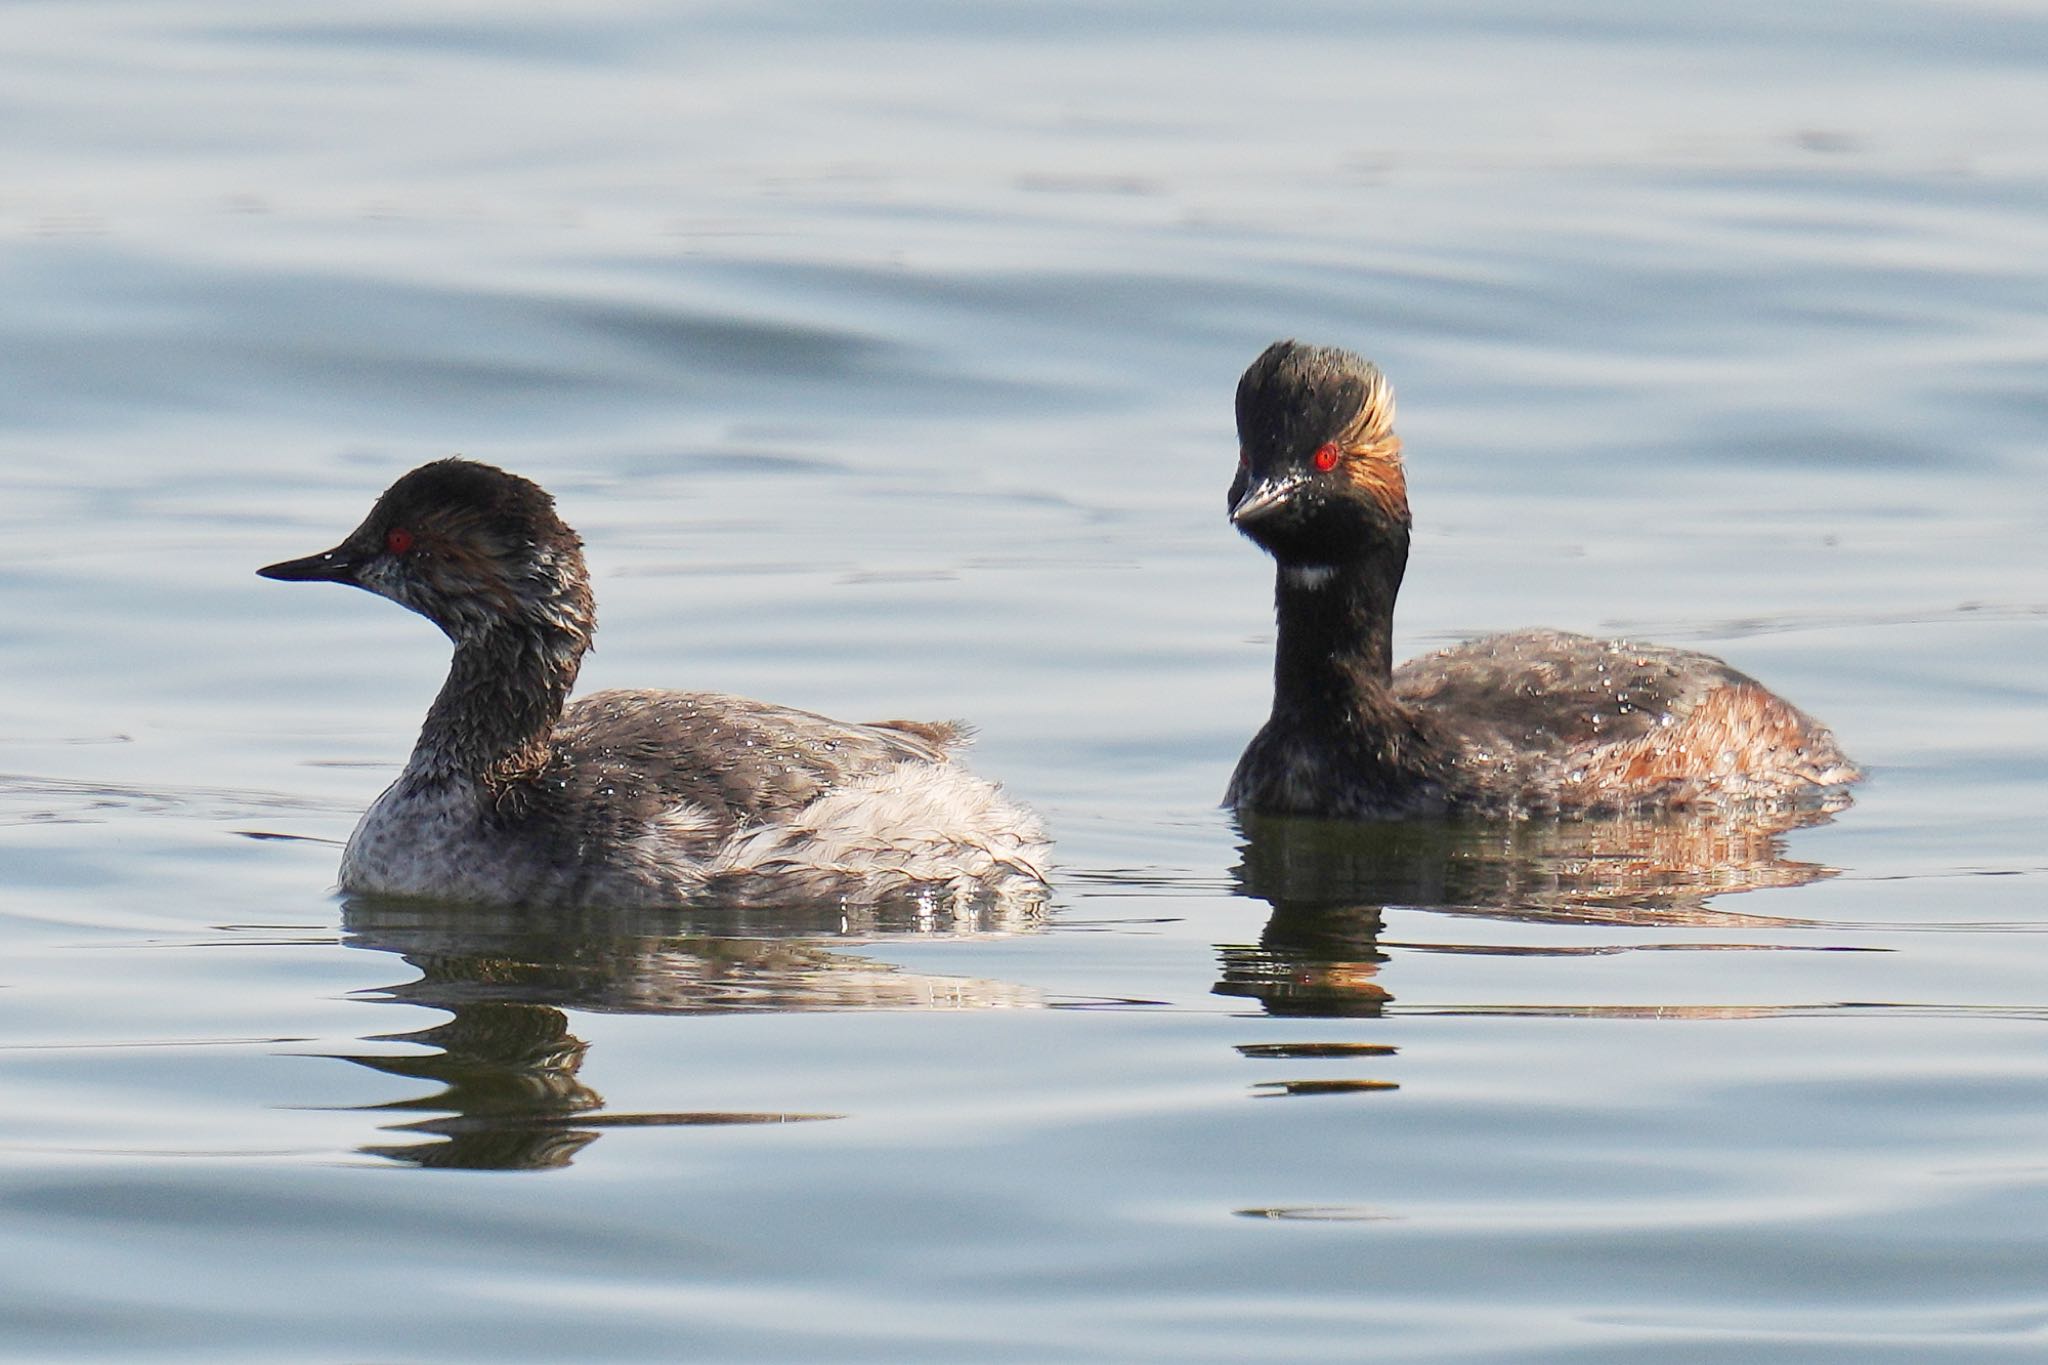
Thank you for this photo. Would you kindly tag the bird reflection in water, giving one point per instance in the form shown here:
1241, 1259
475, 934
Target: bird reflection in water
1330, 882
508, 1060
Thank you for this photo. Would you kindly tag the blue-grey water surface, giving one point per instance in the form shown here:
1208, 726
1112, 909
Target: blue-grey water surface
882, 353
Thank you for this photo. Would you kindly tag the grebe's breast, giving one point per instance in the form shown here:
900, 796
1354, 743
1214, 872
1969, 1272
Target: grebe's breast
1551, 722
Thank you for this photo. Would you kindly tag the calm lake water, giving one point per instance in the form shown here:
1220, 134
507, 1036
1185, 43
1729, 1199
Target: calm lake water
883, 355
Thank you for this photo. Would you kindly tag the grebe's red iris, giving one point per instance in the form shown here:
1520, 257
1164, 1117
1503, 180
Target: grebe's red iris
398, 540
1326, 456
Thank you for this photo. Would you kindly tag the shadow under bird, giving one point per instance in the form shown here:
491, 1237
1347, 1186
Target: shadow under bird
514, 795
1532, 722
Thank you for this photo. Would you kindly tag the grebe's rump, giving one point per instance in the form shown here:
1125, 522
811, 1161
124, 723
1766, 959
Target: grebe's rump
628, 798
1533, 722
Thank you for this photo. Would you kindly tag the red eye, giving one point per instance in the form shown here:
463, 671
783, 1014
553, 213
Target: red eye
1326, 456
398, 540
1243, 460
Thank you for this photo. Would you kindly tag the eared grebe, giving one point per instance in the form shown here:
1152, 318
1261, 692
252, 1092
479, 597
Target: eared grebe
1535, 722
628, 798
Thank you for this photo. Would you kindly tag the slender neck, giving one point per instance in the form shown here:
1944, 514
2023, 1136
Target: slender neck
505, 691
1336, 631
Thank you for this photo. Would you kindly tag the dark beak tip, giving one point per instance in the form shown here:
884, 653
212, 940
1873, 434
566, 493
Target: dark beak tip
328, 567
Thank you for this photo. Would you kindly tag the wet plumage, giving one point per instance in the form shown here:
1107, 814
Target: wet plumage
1534, 722
628, 797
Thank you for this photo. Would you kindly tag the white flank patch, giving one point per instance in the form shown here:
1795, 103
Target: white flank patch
917, 821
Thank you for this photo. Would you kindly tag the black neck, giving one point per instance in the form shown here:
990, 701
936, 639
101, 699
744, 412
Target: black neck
1336, 632
505, 691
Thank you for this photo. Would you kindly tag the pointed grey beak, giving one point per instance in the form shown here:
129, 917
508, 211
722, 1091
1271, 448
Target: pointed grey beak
1263, 499
337, 565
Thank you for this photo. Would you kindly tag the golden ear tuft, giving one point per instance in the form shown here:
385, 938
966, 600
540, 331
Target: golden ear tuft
1375, 420
1375, 470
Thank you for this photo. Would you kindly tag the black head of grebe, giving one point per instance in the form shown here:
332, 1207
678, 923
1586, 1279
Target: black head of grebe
468, 546
1319, 480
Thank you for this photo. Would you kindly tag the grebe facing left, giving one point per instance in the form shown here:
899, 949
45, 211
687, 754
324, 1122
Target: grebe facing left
1534, 722
628, 798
